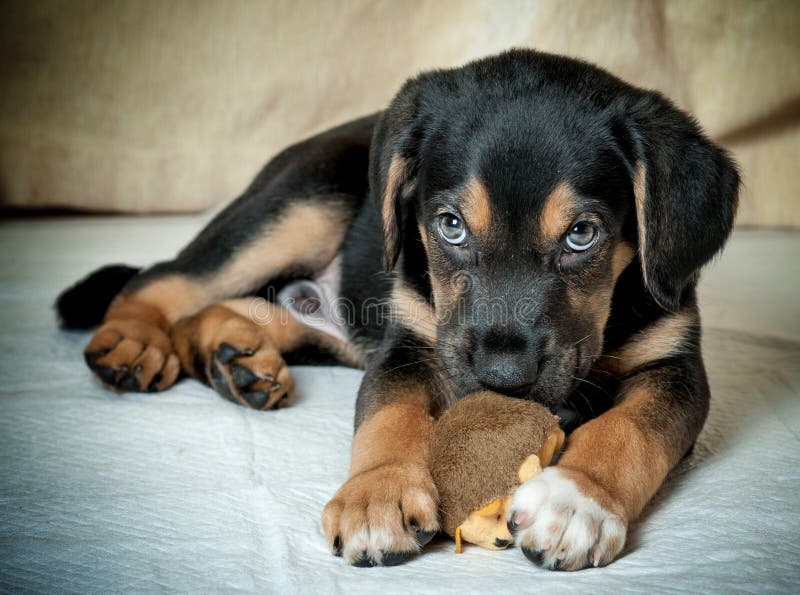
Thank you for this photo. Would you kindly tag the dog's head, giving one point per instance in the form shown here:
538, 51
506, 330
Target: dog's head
514, 192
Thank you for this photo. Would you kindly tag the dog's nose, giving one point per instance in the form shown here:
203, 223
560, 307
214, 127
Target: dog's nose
506, 361
507, 373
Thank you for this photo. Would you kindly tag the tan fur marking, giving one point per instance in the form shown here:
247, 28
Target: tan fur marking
594, 451
476, 207
443, 301
307, 234
172, 297
639, 195
397, 171
557, 212
413, 312
599, 304
622, 257
283, 329
598, 300
423, 236
661, 339
398, 433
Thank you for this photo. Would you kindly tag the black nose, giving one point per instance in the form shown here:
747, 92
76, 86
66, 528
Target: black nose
506, 373
506, 363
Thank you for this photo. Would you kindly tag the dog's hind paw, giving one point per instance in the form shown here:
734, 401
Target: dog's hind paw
132, 356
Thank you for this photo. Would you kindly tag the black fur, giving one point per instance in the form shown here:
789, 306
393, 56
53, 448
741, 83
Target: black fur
83, 305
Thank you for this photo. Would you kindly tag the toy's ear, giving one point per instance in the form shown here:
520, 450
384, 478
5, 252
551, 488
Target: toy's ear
685, 190
394, 165
494, 507
530, 468
551, 446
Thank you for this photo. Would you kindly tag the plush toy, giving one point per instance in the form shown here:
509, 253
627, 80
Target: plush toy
481, 449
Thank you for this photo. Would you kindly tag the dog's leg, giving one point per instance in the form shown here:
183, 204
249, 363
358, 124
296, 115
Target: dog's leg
387, 509
290, 221
237, 347
576, 513
132, 349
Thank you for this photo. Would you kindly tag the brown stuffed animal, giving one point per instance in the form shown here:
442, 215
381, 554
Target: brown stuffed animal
481, 449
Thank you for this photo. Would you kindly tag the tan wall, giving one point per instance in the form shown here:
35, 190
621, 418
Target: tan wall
154, 105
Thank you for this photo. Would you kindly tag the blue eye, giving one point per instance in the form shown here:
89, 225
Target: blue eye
582, 236
452, 229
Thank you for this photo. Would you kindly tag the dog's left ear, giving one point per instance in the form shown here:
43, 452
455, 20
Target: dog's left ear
394, 165
686, 193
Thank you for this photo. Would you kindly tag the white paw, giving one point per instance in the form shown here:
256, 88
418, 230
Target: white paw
559, 528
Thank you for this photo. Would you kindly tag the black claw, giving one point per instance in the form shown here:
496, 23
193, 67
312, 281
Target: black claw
337, 546
220, 383
130, 383
394, 558
257, 400
242, 376
277, 404
106, 374
364, 561
423, 537
226, 353
91, 358
557, 565
501, 543
512, 525
153, 386
535, 556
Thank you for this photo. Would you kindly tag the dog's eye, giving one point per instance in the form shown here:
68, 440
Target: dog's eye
582, 236
452, 229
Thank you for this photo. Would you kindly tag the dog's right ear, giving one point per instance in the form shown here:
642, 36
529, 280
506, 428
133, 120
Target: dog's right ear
394, 165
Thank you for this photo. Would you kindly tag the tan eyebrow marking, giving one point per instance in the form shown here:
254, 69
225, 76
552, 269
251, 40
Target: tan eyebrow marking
476, 207
557, 212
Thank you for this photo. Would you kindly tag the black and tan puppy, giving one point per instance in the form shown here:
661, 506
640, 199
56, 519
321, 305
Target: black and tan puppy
537, 227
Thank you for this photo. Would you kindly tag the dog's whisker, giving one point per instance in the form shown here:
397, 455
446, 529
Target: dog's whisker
581, 340
417, 362
585, 400
597, 386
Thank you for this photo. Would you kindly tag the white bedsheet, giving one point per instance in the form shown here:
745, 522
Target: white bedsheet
185, 491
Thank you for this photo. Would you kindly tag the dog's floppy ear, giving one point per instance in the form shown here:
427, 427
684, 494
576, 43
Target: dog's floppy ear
686, 192
394, 165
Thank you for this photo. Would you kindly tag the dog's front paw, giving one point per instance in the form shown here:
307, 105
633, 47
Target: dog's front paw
382, 516
560, 528
132, 355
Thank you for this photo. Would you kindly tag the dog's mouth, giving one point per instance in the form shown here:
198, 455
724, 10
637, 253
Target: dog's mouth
560, 374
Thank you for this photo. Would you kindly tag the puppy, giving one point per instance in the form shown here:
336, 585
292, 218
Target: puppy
526, 224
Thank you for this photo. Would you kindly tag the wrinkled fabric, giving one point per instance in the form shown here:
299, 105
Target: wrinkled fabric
183, 491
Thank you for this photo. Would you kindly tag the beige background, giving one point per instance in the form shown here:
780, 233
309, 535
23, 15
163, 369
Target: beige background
155, 105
